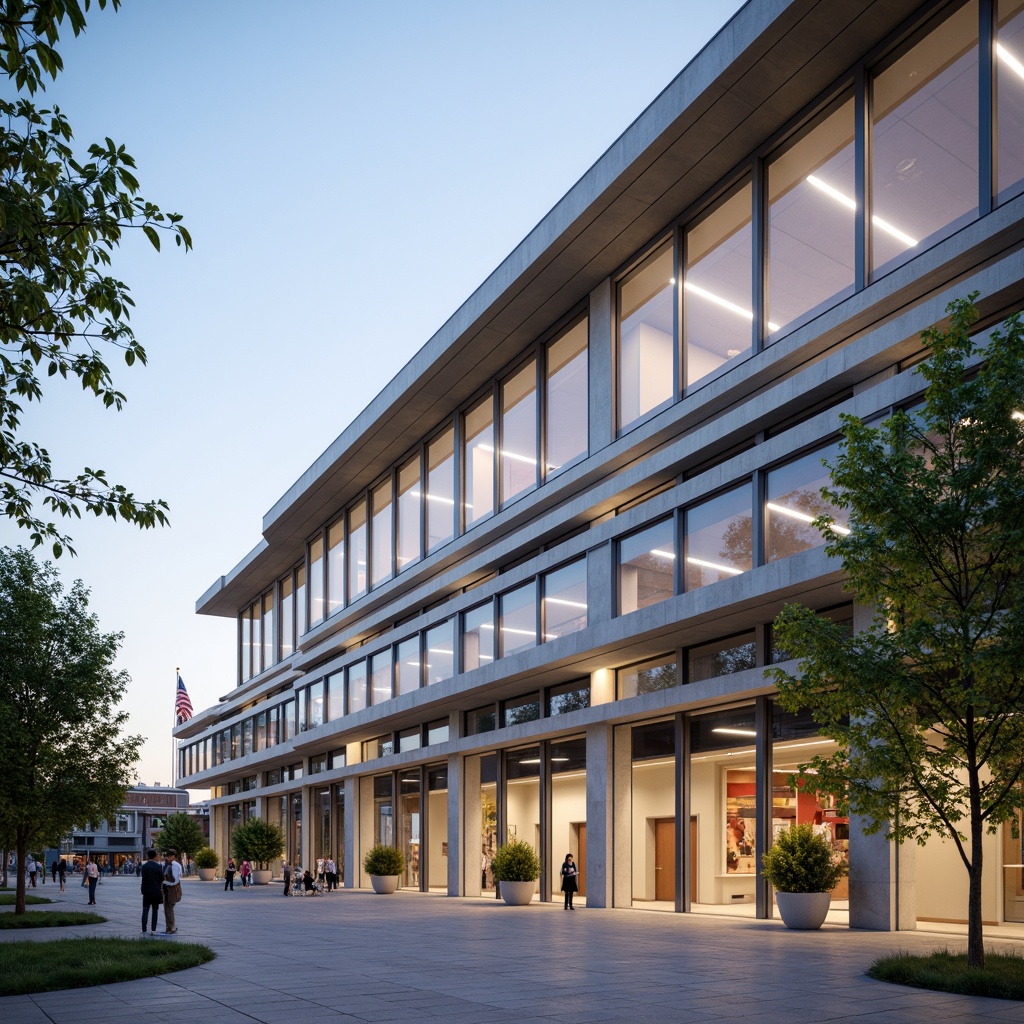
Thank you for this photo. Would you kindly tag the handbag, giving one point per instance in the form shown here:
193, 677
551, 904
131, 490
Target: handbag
174, 893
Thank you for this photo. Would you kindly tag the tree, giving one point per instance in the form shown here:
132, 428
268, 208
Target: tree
63, 758
258, 841
925, 704
181, 832
60, 308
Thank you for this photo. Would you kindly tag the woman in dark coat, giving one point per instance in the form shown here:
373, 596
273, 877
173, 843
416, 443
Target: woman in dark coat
569, 882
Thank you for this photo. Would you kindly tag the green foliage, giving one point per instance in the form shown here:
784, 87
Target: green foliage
384, 860
61, 216
182, 833
207, 858
925, 703
1001, 978
65, 758
516, 861
27, 967
49, 919
257, 841
800, 860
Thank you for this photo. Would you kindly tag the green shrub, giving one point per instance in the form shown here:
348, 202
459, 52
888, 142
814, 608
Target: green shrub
515, 862
800, 860
384, 860
258, 841
207, 858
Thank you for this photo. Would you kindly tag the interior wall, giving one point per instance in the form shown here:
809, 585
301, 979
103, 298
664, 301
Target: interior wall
654, 796
568, 809
437, 856
942, 884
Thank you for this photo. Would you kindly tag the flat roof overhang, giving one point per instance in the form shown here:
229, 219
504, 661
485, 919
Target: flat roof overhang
771, 60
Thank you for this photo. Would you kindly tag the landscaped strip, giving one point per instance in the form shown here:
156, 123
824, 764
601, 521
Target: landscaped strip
943, 971
27, 967
9, 899
50, 919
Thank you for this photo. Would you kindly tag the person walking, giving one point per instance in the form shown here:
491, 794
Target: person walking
245, 872
92, 874
54, 870
332, 875
229, 875
152, 876
570, 885
172, 889
286, 870
32, 868
62, 871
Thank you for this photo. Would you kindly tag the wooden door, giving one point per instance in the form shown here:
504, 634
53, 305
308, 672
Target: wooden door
665, 859
581, 857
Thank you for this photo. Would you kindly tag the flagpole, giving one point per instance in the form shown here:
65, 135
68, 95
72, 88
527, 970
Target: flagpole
174, 766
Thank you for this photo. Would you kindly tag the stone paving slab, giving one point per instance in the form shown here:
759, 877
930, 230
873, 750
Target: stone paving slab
356, 957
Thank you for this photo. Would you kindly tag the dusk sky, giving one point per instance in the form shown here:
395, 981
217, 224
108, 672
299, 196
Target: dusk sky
349, 176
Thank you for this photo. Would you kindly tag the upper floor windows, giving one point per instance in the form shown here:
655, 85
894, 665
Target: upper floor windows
1009, 62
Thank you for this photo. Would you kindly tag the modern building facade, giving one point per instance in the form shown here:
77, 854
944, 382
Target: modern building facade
528, 590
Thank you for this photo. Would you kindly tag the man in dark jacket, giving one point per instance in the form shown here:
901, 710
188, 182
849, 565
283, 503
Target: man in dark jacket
152, 888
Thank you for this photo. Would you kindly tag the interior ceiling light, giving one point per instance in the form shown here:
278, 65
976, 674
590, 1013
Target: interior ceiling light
733, 732
803, 517
567, 603
658, 553
1009, 60
435, 497
839, 197
732, 570
506, 454
724, 303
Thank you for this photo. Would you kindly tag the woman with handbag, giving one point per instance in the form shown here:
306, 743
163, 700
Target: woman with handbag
172, 889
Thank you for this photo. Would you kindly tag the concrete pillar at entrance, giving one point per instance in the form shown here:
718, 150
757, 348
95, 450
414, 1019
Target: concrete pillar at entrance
472, 845
306, 853
455, 787
600, 827
352, 866
622, 827
364, 834
882, 893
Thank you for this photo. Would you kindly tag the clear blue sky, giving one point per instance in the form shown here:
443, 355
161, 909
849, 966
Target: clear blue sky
350, 175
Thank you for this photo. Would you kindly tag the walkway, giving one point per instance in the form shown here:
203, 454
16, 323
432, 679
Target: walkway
354, 956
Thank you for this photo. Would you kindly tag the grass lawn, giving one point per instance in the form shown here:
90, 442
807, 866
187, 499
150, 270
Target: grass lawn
8, 899
77, 963
49, 919
943, 971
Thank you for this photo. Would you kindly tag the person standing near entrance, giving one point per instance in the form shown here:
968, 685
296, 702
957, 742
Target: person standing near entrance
332, 874
286, 870
172, 889
570, 885
92, 874
152, 889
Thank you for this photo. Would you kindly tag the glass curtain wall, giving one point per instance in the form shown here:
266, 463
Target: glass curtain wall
1009, 59
653, 812
488, 764
441, 489
335, 566
358, 552
338, 836
436, 865
719, 538
410, 816
566, 401
567, 766
647, 566
382, 535
522, 796
409, 502
518, 465
316, 581
478, 462
323, 848
295, 832
383, 811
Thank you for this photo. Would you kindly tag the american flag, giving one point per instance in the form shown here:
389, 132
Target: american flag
182, 705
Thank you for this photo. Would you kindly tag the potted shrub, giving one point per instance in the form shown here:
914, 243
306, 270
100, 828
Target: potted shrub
803, 871
258, 842
384, 865
516, 868
207, 860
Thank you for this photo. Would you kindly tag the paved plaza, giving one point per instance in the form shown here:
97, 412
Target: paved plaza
355, 956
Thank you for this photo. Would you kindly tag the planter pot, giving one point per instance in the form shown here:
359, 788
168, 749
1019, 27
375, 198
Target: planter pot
207, 874
518, 894
262, 877
384, 884
803, 910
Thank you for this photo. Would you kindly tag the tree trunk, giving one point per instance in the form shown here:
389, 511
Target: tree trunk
975, 938
21, 853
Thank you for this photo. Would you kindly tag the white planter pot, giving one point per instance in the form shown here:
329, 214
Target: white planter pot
518, 894
803, 910
207, 874
384, 884
262, 877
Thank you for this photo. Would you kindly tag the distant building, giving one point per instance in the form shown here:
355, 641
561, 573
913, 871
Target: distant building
529, 589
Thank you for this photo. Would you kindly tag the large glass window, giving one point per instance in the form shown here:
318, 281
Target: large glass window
521, 709
721, 657
793, 502
287, 721
358, 554
439, 644
356, 687
287, 616
1010, 98
811, 197
478, 450
336, 566
381, 673
316, 580
566, 402
382, 534
719, 539
717, 300
268, 629
317, 715
647, 677
407, 669
478, 637
569, 697
409, 505
647, 567
565, 600
925, 146
518, 463
441, 489
646, 375
301, 618
336, 696
245, 632
519, 619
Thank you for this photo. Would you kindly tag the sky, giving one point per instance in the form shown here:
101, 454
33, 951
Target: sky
349, 176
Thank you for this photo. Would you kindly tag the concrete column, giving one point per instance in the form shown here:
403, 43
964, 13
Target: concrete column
306, 853
602, 366
882, 893
455, 830
622, 824
352, 866
600, 824
600, 585
472, 845
364, 832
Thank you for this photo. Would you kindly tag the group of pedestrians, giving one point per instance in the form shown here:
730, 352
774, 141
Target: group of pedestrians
161, 886
244, 873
